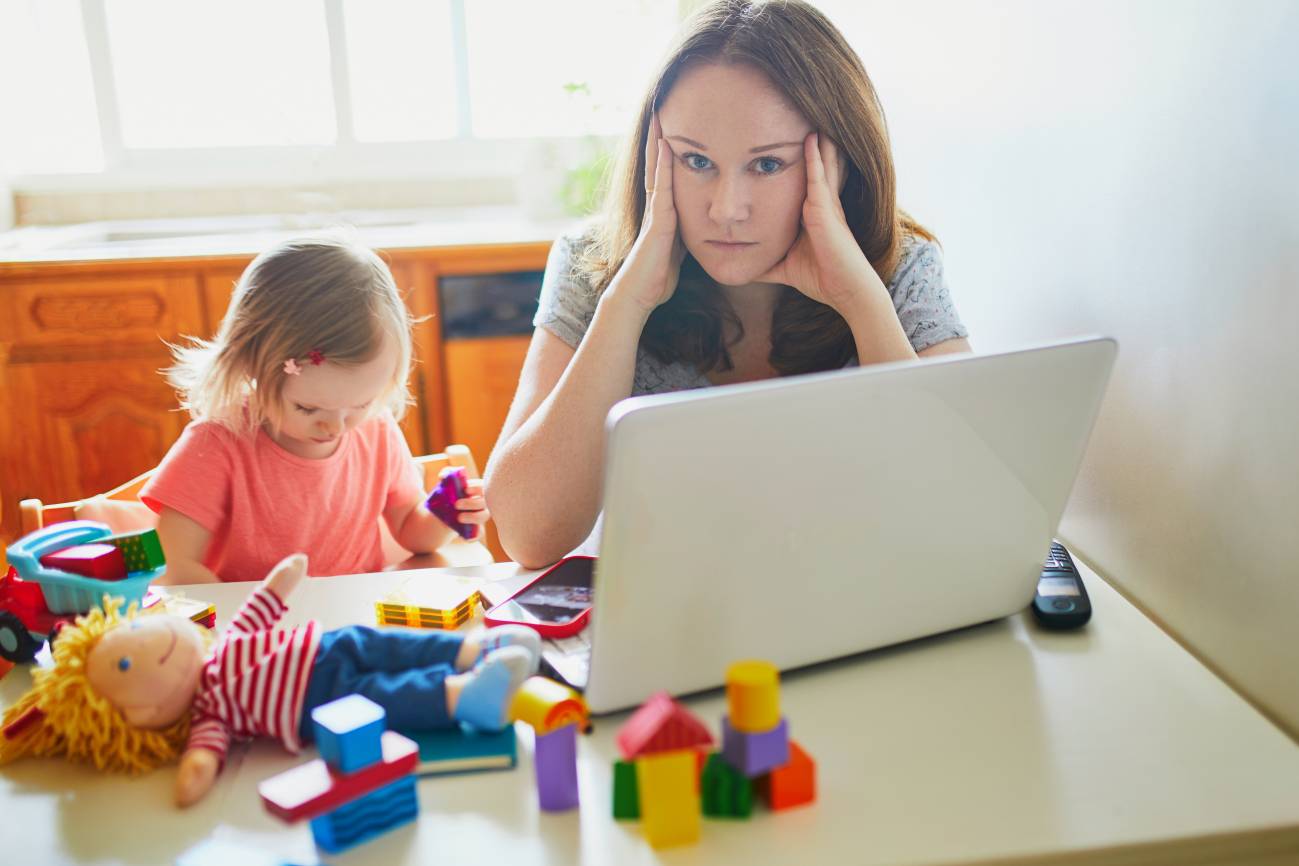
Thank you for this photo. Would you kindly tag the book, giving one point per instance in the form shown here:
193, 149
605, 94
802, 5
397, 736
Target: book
460, 750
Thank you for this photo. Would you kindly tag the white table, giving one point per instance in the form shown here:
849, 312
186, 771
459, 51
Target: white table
994, 744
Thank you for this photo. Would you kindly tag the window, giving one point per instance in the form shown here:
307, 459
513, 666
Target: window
116, 93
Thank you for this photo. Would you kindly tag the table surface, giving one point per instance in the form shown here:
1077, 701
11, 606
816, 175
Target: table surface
997, 743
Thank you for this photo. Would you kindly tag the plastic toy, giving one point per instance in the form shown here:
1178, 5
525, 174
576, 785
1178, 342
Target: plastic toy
626, 801
725, 791
669, 798
791, 785
547, 706
426, 602
100, 561
443, 498
555, 760
660, 725
755, 754
36, 600
345, 807
753, 696
312, 789
348, 732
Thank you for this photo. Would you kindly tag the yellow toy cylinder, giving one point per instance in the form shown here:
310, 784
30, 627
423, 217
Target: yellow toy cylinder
753, 696
547, 705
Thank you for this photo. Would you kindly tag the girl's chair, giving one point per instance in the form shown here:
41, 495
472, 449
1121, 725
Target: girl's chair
122, 510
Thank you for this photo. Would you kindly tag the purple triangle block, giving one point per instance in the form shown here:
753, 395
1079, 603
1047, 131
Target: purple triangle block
442, 502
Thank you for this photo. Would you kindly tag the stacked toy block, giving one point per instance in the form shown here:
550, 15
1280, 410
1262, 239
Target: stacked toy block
556, 713
756, 743
362, 785
422, 602
658, 780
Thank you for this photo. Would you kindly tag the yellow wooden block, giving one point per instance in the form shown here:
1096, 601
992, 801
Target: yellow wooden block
669, 797
753, 696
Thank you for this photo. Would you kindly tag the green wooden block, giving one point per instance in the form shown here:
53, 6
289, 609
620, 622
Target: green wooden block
626, 800
142, 550
725, 791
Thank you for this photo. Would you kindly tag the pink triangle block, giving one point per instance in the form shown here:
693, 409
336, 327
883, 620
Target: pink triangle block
661, 725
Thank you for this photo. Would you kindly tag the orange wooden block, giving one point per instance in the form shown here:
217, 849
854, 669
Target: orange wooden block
793, 784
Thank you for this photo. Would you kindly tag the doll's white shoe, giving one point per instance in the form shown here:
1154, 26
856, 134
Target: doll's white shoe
485, 698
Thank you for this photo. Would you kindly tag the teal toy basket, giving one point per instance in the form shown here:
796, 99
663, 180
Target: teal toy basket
66, 592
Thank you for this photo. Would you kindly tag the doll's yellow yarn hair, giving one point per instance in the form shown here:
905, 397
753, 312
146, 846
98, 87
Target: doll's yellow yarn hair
79, 723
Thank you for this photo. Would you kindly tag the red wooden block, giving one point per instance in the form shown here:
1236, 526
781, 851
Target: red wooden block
661, 725
313, 789
793, 784
101, 561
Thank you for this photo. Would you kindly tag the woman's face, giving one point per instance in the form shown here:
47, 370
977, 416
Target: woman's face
738, 176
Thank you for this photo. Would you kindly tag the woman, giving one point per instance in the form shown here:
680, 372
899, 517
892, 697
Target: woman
750, 231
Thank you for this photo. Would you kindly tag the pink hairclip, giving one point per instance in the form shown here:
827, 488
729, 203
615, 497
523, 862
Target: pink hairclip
316, 357
291, 368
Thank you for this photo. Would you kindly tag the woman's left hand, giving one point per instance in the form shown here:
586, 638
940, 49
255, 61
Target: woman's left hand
825, 263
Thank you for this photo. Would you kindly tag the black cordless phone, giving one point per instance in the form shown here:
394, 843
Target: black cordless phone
1061, 600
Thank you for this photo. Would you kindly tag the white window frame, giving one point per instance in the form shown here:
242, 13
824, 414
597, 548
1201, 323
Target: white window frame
347, 160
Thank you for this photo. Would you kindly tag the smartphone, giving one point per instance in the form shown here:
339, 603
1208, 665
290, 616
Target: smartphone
556, 604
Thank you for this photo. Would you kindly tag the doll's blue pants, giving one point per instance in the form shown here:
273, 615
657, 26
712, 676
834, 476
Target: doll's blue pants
401, 671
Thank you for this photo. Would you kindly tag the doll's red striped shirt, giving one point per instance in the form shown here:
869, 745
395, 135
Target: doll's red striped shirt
254, 681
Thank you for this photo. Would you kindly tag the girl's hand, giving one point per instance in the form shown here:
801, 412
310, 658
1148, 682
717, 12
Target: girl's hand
198, 769
649, 275
825, 263
472, 507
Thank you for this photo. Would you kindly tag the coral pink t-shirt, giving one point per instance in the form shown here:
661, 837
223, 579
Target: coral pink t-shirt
262, 503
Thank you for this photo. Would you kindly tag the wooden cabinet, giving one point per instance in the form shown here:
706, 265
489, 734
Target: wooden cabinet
83, 406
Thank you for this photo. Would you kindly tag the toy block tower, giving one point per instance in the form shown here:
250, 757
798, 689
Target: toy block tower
755, 737
361, 786
664, 741
555, 713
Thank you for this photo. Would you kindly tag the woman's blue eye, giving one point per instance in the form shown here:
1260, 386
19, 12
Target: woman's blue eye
769, 165
124, 663
696, 162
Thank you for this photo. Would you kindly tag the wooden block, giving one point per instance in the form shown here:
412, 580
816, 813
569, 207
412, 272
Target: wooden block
793, 784
313, 789
669, 800
348, 732
100, 561
661, 725
555, 762
753, 696
626, 801
727, 793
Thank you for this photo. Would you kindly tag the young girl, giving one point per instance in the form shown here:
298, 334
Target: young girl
294, 444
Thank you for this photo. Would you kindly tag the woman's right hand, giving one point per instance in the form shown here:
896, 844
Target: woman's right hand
649, 274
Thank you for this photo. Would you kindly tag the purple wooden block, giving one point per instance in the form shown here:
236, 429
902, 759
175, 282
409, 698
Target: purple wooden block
555, 759
755, 754
442, 502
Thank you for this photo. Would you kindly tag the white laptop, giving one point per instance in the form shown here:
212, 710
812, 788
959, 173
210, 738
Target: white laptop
803, 519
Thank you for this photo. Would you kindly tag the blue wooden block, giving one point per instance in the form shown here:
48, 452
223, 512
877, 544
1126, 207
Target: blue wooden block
349, 732
755, 754
366, 817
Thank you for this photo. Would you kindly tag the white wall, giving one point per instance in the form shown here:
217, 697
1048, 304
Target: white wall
1132, 168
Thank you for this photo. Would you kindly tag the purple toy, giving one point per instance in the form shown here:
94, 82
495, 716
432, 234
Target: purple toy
555, 760
442, 502
755, 754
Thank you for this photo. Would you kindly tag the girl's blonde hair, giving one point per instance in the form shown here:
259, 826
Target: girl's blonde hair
79, 723
808, 60
325, 294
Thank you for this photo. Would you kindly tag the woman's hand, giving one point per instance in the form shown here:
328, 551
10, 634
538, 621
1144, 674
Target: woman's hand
825, 263
472, 507
198, 769
649, 275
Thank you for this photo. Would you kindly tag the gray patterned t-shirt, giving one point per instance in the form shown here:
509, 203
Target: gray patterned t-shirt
918, 288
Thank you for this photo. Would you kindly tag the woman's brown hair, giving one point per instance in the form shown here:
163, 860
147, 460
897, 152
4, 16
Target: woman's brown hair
810, 62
